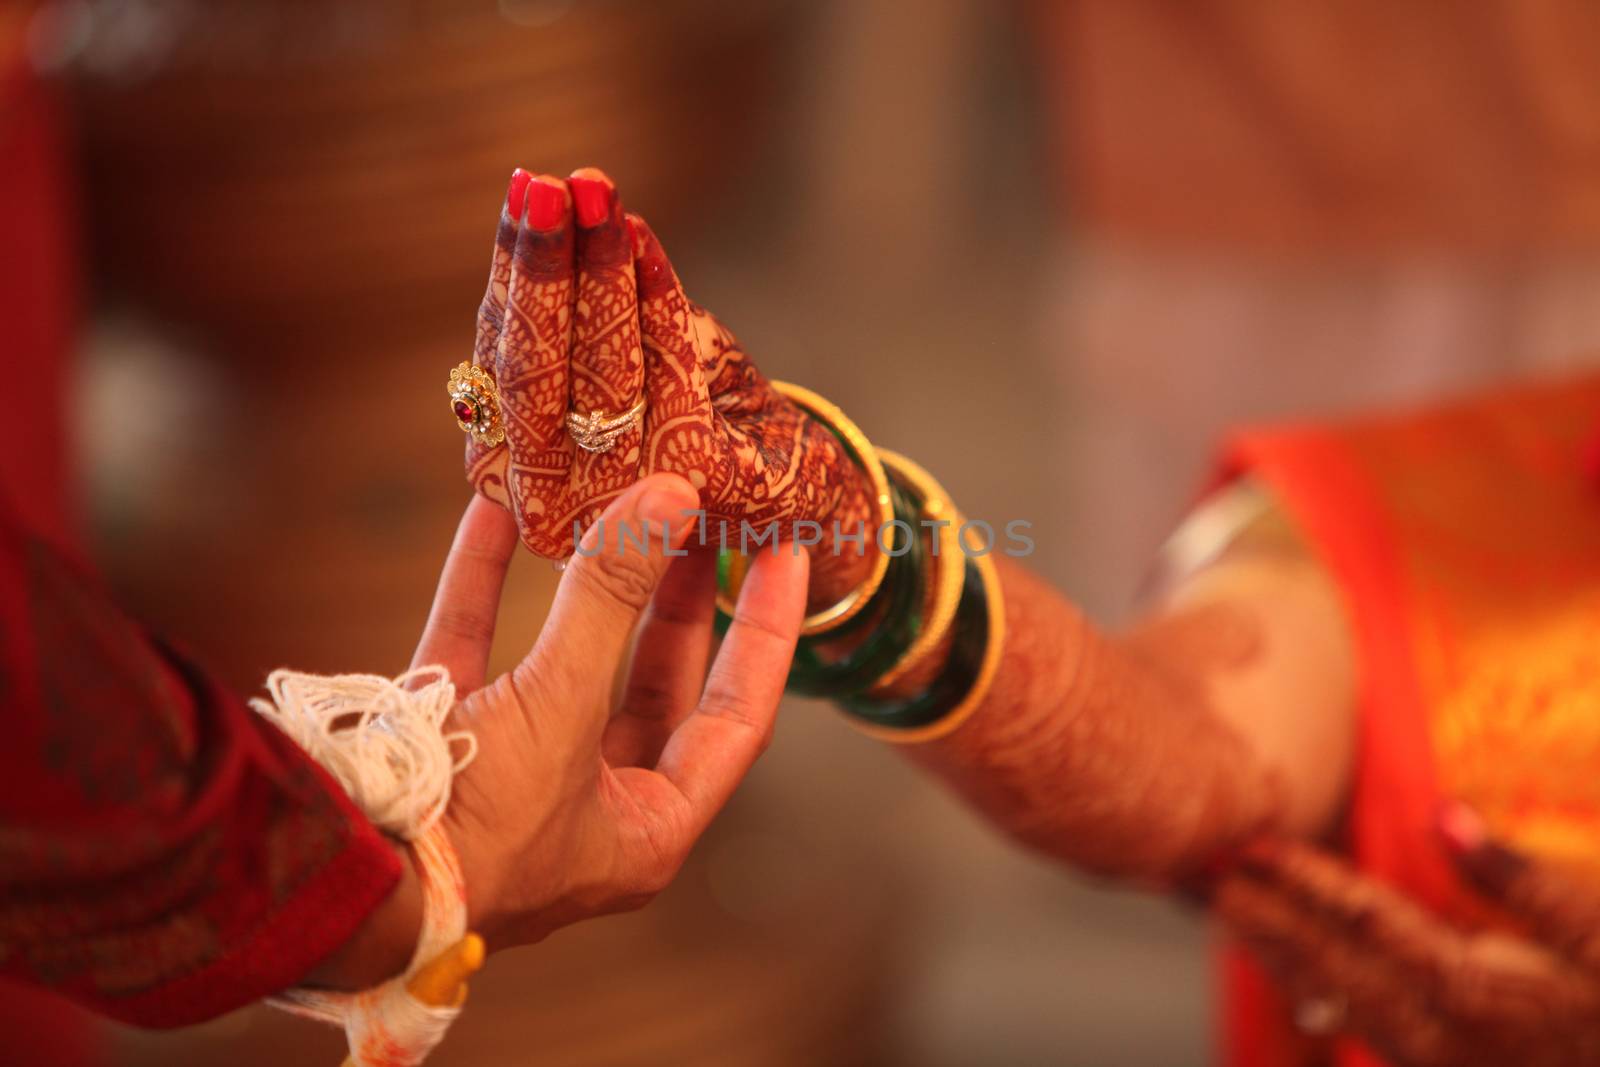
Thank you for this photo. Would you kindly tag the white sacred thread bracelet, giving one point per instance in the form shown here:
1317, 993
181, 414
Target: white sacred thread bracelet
385, 744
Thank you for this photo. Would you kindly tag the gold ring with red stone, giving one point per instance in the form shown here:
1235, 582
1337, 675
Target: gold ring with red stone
475, 402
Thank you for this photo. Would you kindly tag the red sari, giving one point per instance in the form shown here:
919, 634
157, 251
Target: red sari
1466, 542
165, 856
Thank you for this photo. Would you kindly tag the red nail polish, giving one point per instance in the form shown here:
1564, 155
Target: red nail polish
1460, 827
515, 192
547, 204
592, 197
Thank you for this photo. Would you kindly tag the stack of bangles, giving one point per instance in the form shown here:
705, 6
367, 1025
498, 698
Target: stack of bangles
912, 652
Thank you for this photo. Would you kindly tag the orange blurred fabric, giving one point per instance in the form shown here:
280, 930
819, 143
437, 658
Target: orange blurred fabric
1317, 127
1466, 542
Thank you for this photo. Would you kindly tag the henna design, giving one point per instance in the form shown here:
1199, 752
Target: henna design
486, 467
1082, 747
769, 460
1423, 992
1087, 751
607, 360
532, 368
584, 309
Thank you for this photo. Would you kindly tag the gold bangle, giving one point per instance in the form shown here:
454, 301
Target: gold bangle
950, 721
949, 569
866, 457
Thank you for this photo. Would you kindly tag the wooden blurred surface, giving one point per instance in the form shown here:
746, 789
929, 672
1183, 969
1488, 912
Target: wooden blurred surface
306, 187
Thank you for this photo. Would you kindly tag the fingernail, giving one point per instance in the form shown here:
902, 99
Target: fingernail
1480, 857
592, 198
516, 191
1460, 827
547, 204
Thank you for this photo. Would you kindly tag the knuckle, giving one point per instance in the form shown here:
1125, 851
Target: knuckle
739, 710
650, 699
491, 314
678, 612
465, 625
731, 706
625, 577
760, 623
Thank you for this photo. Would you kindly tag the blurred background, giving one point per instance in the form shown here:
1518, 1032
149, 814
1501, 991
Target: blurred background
1052, 250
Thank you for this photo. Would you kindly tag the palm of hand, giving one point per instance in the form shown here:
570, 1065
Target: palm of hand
577, 804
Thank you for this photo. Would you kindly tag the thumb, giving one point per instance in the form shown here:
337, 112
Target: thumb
614, 571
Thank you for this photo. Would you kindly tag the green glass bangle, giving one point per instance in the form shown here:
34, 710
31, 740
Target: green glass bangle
900, 596
955, 681
863, 618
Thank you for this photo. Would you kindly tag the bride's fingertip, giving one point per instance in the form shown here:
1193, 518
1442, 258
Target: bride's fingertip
594, 196
650, 262
546, 203
516, 193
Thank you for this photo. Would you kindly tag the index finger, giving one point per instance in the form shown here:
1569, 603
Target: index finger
531, 365
485, 464
711, 752
460, 626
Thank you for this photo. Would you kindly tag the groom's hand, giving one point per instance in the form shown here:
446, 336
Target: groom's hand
577, 805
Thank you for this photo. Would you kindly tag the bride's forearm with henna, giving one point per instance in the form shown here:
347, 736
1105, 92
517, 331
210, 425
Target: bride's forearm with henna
1103, 751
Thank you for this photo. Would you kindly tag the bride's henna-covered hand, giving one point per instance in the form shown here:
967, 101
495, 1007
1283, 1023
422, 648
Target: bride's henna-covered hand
1421, 992
584, 312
